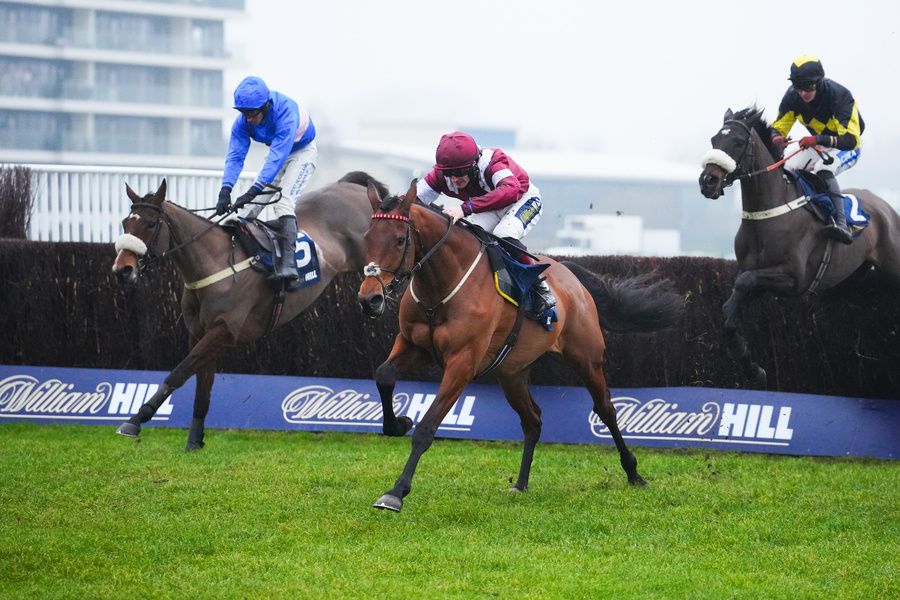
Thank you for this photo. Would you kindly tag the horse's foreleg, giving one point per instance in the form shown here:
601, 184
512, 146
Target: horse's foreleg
519, 397
772, 279
203, 353
403, 357
205, 377
458, 371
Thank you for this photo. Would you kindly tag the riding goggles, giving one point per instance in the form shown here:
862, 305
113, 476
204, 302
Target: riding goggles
461, 172
252, 113
805, 86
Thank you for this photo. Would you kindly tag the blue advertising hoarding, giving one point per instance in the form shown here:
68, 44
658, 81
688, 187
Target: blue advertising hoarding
738, 420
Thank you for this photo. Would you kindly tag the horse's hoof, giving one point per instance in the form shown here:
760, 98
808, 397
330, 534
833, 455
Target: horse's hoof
515, 490
129, 429
389, 502
759, 377
638, 481
404, 424
194, 446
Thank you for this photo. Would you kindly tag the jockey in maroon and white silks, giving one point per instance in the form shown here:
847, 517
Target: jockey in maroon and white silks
496, 195
495, 191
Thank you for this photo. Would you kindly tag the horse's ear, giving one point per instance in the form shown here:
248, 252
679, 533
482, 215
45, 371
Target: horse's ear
374, 198
132, 194
161, 192
728, 115
410, 195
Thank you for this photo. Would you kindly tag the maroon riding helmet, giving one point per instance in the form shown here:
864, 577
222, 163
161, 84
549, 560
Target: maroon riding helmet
456, 151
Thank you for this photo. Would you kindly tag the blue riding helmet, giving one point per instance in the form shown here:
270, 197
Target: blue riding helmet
251, 94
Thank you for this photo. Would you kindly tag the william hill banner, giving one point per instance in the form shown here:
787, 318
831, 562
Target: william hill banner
747, 421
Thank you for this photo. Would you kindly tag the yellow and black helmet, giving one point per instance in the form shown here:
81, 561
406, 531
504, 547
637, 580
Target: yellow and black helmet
806, 71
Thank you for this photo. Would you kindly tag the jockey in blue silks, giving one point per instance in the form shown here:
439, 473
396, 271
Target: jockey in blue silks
275, 120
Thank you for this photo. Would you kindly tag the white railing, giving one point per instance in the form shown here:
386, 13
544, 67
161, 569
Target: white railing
87, 204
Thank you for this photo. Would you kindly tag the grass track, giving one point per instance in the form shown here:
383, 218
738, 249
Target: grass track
88, 514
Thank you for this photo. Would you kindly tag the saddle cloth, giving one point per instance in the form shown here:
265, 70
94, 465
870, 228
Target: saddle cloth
512, 279
258, 237
812, 187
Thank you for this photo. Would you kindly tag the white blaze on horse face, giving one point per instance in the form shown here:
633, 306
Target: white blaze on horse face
131, 243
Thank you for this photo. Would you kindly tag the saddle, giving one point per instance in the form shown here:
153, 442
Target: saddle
513, 280
259, 238
820, 205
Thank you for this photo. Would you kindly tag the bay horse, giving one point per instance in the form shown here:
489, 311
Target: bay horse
452, 313
238, 307
779, 248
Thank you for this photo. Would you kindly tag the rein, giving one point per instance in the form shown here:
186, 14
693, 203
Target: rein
165, 218
771, 167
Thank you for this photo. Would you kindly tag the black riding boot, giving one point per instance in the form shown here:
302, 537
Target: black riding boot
286, 267
545, 300
839, 230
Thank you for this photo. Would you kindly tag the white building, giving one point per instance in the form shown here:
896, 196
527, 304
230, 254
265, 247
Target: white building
114, 81
594, 235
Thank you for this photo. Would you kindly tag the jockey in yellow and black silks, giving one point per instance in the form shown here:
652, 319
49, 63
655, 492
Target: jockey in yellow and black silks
829, 112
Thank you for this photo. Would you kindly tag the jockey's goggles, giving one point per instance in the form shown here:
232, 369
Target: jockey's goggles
805, 86
460, 172
252, 113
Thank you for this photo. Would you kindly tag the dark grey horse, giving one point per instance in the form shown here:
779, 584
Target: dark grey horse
238, 307
779, 246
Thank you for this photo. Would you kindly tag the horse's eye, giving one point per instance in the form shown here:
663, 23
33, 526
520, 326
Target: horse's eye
401, 241
153, 224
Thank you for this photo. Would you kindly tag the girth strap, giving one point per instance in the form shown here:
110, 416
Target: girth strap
823, 266
510, 342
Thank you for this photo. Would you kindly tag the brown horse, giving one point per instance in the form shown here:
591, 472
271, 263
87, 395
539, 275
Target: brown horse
464, 331
780, 249
238, 307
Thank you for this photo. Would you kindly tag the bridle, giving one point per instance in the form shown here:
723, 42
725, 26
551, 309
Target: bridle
734, 174
401, 276
724, 161
149, 258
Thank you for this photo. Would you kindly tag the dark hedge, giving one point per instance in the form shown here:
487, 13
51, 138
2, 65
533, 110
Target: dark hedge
61, 306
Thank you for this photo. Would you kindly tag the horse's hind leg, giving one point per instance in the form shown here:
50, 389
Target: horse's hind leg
205, 377
203, 353
519, 397
590, 368
403, 357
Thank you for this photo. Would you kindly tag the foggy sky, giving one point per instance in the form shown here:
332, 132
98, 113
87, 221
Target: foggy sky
631, 78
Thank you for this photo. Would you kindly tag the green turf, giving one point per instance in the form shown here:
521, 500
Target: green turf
88, 514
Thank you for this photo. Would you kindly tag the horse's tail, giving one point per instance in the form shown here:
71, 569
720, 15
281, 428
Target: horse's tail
362, 178
632, 304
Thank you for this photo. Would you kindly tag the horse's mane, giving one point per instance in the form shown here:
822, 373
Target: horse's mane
753, 117
362, 178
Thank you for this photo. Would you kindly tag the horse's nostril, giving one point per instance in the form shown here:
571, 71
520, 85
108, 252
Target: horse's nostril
125, 274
